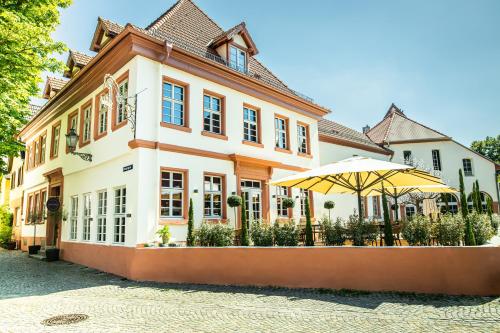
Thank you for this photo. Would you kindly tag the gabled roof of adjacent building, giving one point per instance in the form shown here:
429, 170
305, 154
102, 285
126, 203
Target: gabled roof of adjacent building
53, 84
396, 127
76, 59
332, 132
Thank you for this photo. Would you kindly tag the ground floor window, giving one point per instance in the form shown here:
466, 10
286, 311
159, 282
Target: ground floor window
303, 195
282, 193
213, 196
120, 214
87, 216
172, 194
448, 203
73, 220
410, 211
102, 204
251, 191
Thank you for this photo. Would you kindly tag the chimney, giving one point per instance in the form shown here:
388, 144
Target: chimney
366, 129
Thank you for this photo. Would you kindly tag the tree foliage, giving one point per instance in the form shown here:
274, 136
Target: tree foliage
388, 236
190, 234
26, 50
309, 230
489, 147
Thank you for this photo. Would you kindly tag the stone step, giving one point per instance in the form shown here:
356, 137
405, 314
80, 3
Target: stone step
38, 256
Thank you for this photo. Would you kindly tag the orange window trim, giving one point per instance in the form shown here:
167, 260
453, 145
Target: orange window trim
52, 138
71, 116
185, 127
185, 197
224, 193
259, 125
308, 138
287, 130
97, 110
222, 99
40, 152
82, 123
114, 116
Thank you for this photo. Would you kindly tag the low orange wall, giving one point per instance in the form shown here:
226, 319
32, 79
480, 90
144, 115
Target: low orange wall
441, 270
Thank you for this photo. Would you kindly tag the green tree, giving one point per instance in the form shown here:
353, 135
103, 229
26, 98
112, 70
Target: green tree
388, 236
469, 233
329, 204
26, 50
190, 235
309, 230
489, 147
245, 241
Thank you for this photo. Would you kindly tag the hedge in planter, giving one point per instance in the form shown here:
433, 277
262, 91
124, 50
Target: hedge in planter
218, 235
481, 226
449, 230
286, 235
417, 230
334, 234
360, 231
261, 234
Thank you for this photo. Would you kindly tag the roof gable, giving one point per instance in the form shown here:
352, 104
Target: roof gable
76, 60
239, 30
396, 127
104, 31
53, 86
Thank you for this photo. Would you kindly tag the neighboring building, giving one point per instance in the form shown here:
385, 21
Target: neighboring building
414, 143
211, 121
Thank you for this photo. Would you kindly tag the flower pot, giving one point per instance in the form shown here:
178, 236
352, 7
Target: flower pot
52, 254
33, 249
10, 245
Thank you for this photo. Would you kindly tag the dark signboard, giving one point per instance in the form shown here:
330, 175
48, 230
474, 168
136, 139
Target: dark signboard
53, 204
128, 167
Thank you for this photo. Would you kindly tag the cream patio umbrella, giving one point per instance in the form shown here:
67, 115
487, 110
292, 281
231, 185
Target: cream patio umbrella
358, 175
398, 191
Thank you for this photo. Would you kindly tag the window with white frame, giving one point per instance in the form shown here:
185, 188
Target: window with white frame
102, 117
281, 194
55, 140
250, 125
102, 210
120, 214
172, 194
212, 114
87, 113
87, 216
43, 148
121, 110
410, 211
303, 195
376, 206
436, 160
173, 104
303, 138
280, 127
43, 205
467, 165
74, 122
237, 59
73, 218
408, 157
37, 153
213, 196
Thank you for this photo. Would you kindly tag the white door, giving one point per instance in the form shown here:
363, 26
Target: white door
252, 194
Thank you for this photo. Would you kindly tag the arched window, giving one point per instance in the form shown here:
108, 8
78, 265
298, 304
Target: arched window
484, 197
448, 203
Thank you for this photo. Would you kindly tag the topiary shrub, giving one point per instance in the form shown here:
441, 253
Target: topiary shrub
329, 204
360, 231
288, 203
417, 230
334, 234
286, 235
449, 229
261, 234
190, 233
481, 227
218, 235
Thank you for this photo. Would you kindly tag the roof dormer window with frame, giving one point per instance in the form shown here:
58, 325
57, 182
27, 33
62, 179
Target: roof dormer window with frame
237, 58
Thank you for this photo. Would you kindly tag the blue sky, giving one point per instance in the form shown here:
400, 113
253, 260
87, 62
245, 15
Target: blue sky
437, 60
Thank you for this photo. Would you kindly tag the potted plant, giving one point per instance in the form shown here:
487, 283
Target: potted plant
33, 219
329, 204
164, 234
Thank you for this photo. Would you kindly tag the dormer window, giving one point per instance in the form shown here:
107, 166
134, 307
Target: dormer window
237, 58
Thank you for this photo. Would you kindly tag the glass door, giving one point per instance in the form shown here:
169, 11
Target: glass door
252, 194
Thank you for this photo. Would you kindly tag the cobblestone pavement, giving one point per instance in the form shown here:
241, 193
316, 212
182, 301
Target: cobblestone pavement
31, 291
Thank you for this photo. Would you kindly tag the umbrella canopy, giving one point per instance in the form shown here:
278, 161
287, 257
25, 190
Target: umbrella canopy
358, 175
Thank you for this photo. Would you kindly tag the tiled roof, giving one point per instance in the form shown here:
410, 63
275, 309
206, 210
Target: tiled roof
338, 131
396, 127
80, 59
111, 26
56, 83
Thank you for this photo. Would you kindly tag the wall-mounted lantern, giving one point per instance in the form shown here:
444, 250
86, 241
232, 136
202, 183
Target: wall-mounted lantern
72, 141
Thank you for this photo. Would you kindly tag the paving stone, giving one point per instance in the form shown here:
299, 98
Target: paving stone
32, 291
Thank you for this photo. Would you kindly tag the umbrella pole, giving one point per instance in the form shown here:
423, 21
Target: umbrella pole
396, 204
358, 190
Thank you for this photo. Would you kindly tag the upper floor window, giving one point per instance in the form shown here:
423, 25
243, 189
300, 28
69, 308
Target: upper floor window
250, 125
13, 180
121, 111
86, 116
303, 139
37, 153
408, 158
281, 132
20, 176
212, 114
172, 194
213, 201
237, 59
467, 165
102, 118
436, 160
54, 149
173, 104
43, 147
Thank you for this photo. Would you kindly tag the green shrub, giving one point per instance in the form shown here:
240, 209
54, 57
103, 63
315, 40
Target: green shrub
495, 222
417, 230
261, 234
286, 235
6, 217
164, 233
214, 235
481, 226
361, 232
288, 203
5, 233
334, 234
449, 230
